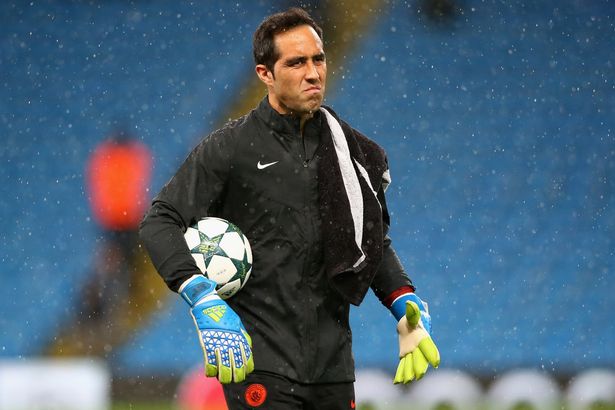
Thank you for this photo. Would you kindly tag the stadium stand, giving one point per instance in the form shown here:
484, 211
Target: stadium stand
77, 69
499, 133
498, 125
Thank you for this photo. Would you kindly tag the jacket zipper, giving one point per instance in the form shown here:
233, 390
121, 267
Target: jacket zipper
306, 274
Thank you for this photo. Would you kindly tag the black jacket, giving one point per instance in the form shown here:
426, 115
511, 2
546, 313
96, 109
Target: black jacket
298, 323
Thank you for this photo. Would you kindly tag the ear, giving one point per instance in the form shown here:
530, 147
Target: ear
264, 74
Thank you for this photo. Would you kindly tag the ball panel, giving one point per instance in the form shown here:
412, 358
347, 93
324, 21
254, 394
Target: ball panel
232, 244
246, 244
245, 279
212, 227
200, 261
192, 238
228, 290
221, 269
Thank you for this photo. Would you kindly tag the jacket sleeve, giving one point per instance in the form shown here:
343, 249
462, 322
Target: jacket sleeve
390, 277
192, 193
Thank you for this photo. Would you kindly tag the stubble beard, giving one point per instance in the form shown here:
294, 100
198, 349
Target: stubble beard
313, 104
302, 108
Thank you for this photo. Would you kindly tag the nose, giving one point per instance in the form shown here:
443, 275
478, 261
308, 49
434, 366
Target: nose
311, 73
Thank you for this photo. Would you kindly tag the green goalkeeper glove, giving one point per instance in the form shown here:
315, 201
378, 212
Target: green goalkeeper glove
416, 348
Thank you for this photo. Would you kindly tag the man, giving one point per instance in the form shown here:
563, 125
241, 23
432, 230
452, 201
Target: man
117, 180
308, 192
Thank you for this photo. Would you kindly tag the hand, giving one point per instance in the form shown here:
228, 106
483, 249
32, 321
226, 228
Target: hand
416, 348
226, 344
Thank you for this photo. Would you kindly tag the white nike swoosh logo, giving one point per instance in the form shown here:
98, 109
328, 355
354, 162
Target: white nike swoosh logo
263, 166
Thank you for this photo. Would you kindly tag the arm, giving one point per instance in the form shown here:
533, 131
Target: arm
391, 280
192, 193
395, 290
195, 191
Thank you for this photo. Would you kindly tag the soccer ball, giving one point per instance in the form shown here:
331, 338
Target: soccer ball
222, 253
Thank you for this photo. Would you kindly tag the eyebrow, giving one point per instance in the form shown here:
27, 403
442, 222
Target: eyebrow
303, 59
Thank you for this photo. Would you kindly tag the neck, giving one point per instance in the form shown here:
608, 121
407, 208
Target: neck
285, 110
304, 119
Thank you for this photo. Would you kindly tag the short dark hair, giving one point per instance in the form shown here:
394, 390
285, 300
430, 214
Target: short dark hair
263, 45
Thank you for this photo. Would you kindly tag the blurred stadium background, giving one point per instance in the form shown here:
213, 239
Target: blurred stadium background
498, 118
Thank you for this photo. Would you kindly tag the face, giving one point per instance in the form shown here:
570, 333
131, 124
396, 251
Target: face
297, 83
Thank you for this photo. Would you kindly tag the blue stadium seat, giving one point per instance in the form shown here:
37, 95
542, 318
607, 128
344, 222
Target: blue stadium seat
499, 131
499, 135
77, 70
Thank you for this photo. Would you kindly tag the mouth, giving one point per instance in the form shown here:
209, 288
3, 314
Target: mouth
313, 90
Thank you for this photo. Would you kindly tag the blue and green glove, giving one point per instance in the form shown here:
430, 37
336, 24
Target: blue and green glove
226, 344
417, 350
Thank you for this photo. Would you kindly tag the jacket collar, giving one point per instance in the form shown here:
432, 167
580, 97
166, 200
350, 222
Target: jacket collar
284, 124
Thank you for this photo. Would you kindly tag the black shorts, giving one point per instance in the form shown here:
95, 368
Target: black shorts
273, 392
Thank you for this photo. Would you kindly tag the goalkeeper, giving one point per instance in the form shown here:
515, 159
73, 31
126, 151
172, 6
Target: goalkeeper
307, 189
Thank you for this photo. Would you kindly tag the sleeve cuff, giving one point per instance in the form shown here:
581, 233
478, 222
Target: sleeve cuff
388, 301
195, 288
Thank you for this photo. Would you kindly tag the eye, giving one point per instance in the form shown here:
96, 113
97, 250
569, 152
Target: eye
319, 59
294, 63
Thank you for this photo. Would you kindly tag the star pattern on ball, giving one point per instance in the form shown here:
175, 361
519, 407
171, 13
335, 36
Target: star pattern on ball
207, 244
225, 342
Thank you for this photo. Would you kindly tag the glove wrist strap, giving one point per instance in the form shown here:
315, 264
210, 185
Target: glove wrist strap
398, 307
196, 288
